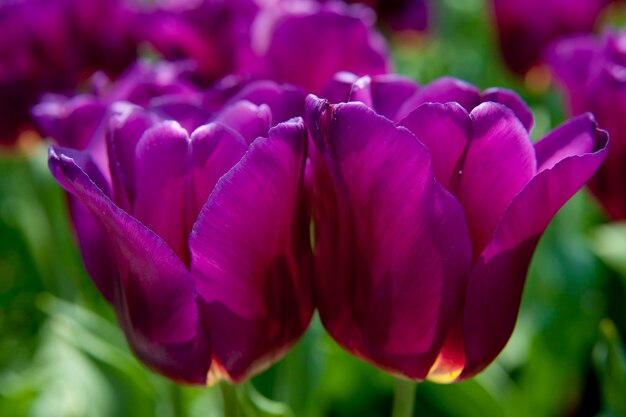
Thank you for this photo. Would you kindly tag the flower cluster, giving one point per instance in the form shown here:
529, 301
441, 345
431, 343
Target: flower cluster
234, 166
427, 203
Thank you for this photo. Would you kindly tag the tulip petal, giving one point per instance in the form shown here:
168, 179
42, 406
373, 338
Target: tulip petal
247, 256
94, 249
155, 298
500, 161
162, 293
445, 129
392, 246
495, 286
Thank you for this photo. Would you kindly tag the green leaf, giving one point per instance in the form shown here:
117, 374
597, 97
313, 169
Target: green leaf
610, 363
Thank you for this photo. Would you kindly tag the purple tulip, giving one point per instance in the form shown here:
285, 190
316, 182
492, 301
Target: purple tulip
592, 73
526, 27
425, 225
199, 240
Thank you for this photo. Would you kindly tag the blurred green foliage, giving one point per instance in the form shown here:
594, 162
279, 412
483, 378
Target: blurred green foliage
62, 354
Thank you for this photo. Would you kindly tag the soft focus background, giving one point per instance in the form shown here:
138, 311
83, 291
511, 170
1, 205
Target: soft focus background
62, 353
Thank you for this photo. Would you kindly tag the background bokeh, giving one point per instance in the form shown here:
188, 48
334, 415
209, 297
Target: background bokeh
62, 353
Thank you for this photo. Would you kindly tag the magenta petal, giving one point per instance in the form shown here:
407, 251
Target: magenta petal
496, 284
445, 129
161, 167
250, 255
499, 163
392, 246
250, 120
155, 299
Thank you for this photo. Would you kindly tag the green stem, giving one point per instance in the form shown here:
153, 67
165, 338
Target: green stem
230, 400
177, 402
403, 398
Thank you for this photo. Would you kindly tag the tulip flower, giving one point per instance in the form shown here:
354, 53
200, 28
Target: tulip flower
526, 27
591, 71
197, 236
425, 227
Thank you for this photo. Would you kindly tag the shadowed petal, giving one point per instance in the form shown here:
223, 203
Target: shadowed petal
495, 286
250, 120
499, 162
445, 129
285, 101
247, 254
392, 247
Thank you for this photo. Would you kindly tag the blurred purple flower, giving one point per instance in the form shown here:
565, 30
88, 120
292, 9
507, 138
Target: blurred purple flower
427, 216
592, 73
52, 46
399, 15
198, 240
298, 42
526, 27
215, 34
